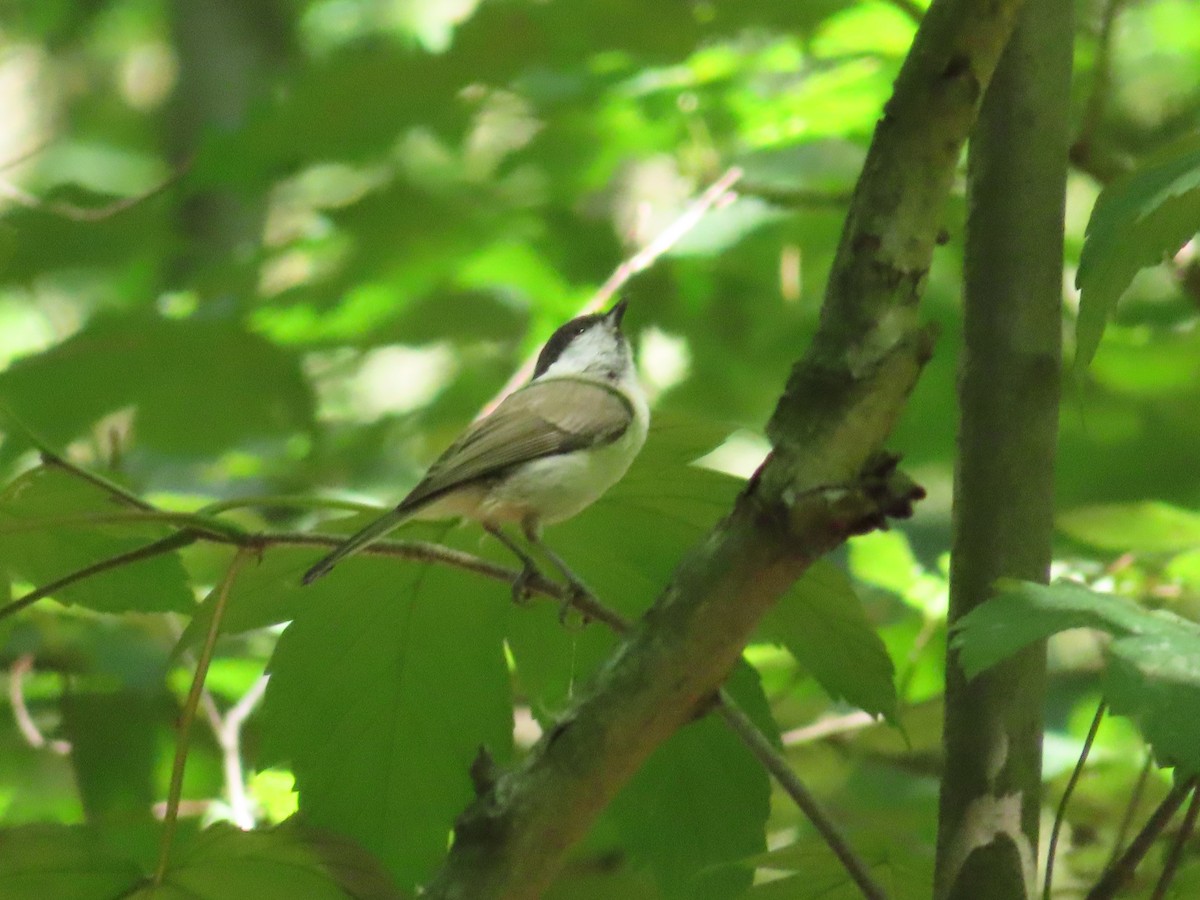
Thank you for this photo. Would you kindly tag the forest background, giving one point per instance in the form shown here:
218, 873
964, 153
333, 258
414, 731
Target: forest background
259, 263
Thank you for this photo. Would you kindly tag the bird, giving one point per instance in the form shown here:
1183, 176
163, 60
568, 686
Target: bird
545, 453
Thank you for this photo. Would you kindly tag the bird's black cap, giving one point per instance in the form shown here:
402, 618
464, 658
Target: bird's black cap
561, 339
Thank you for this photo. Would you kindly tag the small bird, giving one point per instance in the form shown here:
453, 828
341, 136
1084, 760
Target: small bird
548, 451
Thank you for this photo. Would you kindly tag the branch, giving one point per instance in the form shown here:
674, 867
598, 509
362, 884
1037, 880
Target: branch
166, 545
774, 763
227, 729
1176, 853
1131, 807
840, 404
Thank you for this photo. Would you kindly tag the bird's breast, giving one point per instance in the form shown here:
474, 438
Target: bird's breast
558, 487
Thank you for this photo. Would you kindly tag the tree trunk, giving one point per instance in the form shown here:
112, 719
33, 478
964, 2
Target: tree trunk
227, 51
1004, 483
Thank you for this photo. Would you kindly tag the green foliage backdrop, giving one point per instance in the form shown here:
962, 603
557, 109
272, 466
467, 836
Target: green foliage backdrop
259, 263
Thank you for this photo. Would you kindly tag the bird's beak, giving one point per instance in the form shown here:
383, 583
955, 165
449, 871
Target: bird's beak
617, 313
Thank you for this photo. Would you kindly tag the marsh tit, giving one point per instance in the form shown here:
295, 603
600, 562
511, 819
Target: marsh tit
548, 451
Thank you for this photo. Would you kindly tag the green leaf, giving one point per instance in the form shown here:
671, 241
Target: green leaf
50, 526
38, 862
823, 625
222, 863
1150, 527
114, 750
1153, 672
1138, 219
1023, 612
702, 799
382, 691
199, 386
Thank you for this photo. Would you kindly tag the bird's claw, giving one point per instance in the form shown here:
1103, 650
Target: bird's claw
578, 598
522, 593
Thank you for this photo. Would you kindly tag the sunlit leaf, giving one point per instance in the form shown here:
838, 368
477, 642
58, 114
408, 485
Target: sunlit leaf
1149, 527
822, 623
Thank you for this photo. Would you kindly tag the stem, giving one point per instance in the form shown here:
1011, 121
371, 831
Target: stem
1176, 853
1061, 812
1123, 870
189, 716
287, 502
1135, 797
774, 762
57, 461
202, 525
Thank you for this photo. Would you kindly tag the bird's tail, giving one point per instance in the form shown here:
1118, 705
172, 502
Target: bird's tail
371, 533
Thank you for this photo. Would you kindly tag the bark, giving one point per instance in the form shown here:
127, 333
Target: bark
1004, 482
840, 404
227, 52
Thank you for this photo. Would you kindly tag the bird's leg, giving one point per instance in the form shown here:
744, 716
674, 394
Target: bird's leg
576, 589
529, 569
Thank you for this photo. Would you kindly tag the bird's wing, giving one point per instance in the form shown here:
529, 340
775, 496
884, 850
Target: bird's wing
544, 418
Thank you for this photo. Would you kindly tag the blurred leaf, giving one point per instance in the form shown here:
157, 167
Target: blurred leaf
725, 226
114, 740
1153, 673
1149, 527
45, 534
811, 169
38, 862
1138, 220
199, 386
822, 623
884, 559
381, 694
811, 872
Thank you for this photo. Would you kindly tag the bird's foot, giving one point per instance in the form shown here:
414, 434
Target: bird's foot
522, 591
579, 599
